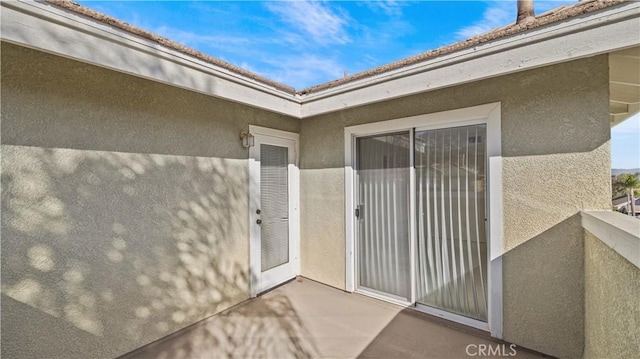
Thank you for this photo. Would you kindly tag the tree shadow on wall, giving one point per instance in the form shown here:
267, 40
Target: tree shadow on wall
265, 327
103, 252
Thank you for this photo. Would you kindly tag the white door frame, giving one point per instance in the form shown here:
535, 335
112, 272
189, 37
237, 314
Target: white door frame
254, 204
488, 114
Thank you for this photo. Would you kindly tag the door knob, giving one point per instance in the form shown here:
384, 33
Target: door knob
258, 221
258, 211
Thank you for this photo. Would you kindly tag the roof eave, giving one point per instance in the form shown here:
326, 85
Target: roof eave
608, 30
66, 33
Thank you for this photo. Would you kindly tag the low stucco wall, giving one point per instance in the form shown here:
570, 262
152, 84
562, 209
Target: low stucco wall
612, 303
124, 207
555, 147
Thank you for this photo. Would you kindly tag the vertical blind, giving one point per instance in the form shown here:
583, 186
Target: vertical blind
451, 246
274, 199
450, 199
383, 222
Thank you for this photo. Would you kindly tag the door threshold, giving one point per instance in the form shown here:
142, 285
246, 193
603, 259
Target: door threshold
454, 320
276, 286
452, 317
382, 297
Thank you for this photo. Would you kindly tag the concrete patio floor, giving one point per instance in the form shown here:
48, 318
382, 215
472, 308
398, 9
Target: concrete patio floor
306, 319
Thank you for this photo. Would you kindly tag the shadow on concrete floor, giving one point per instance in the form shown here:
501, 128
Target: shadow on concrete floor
306, 319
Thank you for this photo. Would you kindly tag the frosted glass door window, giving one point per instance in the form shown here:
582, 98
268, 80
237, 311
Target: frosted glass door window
274, 199
451, 237
383, 218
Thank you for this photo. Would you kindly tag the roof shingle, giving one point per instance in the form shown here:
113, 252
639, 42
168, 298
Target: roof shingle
549, 17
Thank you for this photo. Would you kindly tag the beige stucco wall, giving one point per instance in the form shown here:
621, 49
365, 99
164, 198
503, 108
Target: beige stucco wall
124, 207
555, 147
612, 303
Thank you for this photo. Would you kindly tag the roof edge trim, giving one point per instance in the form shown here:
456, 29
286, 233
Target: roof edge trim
559, 14
49, 28
610, 29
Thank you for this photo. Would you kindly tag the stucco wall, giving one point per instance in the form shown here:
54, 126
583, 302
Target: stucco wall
124, 207
612, 303
555, 147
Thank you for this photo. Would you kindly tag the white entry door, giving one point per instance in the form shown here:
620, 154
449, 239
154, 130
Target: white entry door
273, 218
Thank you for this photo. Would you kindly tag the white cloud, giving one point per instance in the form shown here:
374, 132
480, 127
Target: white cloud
544, 6
193, 39
245, 65
389, 7
319, 21
501, 13
230, 48
269, 57
301, 70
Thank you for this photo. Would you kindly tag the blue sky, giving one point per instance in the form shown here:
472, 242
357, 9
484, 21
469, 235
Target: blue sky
625, 144
305, 43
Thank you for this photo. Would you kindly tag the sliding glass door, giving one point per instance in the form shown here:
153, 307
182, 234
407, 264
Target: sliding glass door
450, 248
383, 214
450, 199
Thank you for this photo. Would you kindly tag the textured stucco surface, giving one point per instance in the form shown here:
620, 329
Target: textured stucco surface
554, 123
323, 257
123, 198
612, 303
124, 207
543, 291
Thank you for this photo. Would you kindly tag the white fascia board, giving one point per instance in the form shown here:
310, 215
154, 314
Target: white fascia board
50, 29
583, 36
